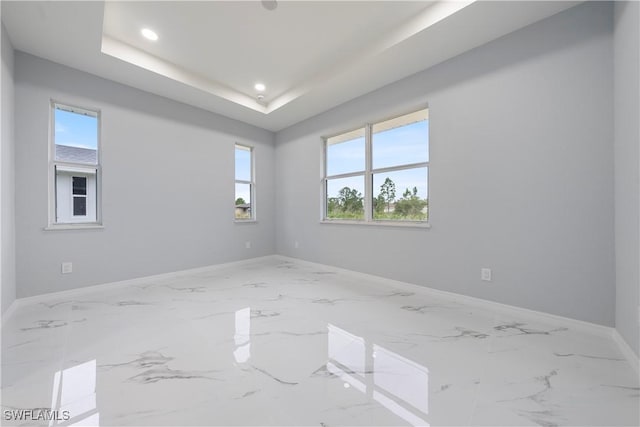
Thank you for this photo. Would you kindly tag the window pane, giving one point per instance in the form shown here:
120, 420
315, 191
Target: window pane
243, 163
345, 198
79, 185
76, 137
79, 206
346, 153
401, 195
75, 196
401, 141
243, 201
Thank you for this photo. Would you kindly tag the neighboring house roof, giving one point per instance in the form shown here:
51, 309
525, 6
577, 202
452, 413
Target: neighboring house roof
244, 206
65, 153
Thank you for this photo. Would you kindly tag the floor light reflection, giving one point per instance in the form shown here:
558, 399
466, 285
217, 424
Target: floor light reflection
74, 392
397, 383
242, 336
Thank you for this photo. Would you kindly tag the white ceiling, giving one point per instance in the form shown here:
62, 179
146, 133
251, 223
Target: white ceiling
311, 55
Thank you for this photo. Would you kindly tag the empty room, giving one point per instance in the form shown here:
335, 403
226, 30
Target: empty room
320, 213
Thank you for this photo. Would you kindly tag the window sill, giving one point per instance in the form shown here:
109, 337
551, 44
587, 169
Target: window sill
407, 224
66, 227
245, 221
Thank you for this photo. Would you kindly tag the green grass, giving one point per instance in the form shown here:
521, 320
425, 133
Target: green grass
382, 216
392, 216
345, 215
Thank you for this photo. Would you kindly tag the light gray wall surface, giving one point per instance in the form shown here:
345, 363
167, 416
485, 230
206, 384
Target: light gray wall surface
7, 203
521, 176
167, 184
627, 177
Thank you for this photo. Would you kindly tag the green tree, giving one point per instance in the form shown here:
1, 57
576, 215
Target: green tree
378, 204
240, 201
410, 205
333, 206
388, 192
350, 200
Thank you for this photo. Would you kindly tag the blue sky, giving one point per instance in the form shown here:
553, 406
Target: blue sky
393, 147
76, 130
244, 191
346, 157
243, 172
243, 165
402, 145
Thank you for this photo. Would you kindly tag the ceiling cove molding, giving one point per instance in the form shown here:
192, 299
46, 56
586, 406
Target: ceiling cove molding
142, 59
421, 22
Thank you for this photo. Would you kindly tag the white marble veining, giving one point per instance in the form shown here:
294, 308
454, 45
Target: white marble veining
276, 342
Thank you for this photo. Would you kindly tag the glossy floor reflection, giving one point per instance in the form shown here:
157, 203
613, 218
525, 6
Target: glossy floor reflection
275, 342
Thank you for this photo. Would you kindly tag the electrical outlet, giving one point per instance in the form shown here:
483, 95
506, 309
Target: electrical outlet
296, 244
67, 268
247, 244
485, 274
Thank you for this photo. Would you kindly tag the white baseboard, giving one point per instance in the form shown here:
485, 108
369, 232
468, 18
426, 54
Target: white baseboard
78, 292
626, 350
588, 327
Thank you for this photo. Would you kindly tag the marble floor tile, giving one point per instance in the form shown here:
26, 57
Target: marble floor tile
275, 342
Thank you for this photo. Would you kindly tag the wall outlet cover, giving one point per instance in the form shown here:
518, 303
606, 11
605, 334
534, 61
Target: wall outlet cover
67, 268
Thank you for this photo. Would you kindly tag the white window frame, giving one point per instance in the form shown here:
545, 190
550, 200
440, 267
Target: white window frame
251, 182
368, 174
81, 168
348, 135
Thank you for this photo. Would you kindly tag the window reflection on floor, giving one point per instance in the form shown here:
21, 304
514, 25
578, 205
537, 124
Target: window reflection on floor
348, 353
401, 377
242, 336
74, 390
397, 383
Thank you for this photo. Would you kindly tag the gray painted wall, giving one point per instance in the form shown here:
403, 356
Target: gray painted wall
168, 184
7, 202
521, 176
627, 177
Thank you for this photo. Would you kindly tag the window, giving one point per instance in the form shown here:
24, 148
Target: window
75, 167
346, 170
79, 196
245, 184
379, 172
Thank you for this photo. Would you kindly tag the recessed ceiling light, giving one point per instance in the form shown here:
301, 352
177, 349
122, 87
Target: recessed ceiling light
259, 87
149, 34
